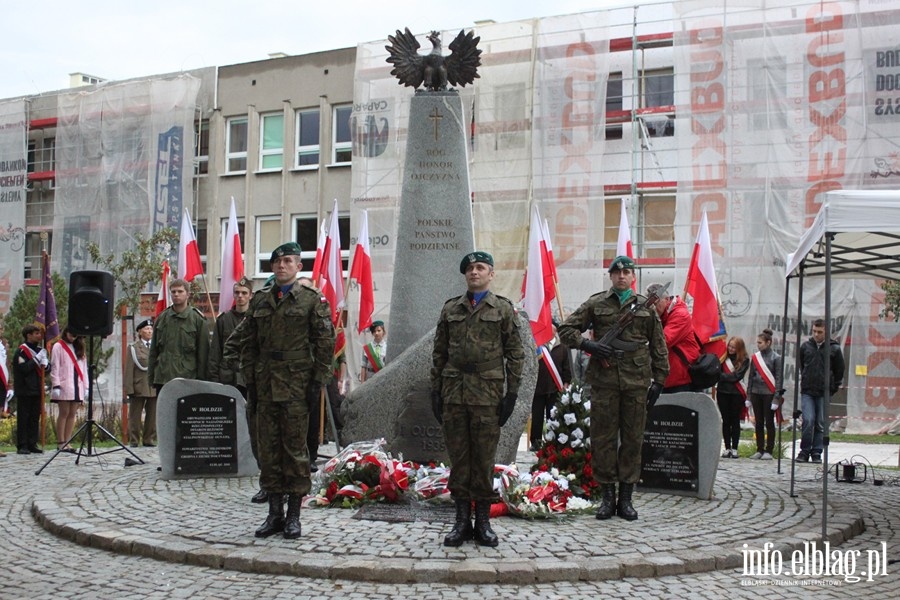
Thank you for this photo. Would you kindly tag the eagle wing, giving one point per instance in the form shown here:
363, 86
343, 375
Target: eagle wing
404, 55
464, 60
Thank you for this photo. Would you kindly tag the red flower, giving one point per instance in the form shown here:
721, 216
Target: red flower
567, 452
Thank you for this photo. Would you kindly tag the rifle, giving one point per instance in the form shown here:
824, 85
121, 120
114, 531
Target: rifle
611, 337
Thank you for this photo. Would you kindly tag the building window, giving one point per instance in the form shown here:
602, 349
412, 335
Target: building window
341, 145
202, 239
615, 106
306, 231
657, 225
307, 154
236, 145
268, 236
201, 152
767, 96
33, 247
41, 157
658, 91
271, 142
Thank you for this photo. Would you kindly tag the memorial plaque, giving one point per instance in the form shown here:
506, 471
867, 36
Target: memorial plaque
415, 512
206, 435
670, 454
418, 434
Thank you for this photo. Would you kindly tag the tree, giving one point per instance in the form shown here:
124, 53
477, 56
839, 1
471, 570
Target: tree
24, 307
134, 269
891, 300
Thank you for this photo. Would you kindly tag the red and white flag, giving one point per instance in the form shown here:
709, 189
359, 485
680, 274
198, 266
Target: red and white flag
701, 286
361, 271
331, 278
549, 262
623, 244
232, 262
189, 265
164, 299
537, 302
320, 253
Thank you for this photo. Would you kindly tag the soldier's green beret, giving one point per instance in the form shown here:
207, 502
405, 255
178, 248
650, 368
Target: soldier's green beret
244, 282
286, 249
474, 257
621, 262
143, 323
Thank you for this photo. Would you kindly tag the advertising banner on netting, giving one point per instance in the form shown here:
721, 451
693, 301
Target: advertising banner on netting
13, 182
773, 109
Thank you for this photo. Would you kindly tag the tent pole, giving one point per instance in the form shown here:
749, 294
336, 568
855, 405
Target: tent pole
826, 400
784, 333
797, 408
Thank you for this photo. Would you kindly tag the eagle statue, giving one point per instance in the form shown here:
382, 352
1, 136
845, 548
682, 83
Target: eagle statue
434, 70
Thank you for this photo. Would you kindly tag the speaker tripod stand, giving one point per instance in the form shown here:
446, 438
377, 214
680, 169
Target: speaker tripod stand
86, 446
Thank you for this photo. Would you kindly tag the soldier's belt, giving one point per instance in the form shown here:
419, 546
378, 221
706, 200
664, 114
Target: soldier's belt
479, 367
291, 355
624, 346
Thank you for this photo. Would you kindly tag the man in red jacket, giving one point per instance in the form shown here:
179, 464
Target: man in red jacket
680, 339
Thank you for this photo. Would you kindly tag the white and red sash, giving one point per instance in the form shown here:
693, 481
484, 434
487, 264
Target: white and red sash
739, 386
30, 355
764, 371
374, 360
551, 368
65, 346
4, 376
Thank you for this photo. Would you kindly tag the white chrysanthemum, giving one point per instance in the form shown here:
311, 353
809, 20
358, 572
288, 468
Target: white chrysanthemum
563, 483
565, 400
562, 438
553, 424
576, 503
587, 421
570, 418
576, 396
553, 412
576, 443
554, 471
578, 434
549, 436
587, 406
542, 477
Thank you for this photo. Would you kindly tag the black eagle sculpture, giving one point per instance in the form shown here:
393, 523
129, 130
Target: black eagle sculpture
434, 70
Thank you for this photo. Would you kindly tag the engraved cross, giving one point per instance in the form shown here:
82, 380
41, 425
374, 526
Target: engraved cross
436, 117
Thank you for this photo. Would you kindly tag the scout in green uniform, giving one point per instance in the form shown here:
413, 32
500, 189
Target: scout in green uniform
286, 347
623, 391
477, 349
180, 344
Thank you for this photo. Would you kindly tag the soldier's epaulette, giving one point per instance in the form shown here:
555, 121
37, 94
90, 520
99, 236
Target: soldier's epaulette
508, 301
453, 299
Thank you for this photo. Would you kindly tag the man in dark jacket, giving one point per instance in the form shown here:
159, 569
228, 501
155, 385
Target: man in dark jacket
30, 362
813, 381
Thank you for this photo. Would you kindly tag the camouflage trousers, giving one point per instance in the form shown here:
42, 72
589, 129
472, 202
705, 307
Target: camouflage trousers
281, 446
617, 434
471, 434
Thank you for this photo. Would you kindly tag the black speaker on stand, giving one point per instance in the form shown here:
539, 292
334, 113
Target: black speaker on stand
91, 300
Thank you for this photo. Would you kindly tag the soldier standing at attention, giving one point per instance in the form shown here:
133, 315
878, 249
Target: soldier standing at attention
477, 348
287, 344
622, 391
141, 395
180, 343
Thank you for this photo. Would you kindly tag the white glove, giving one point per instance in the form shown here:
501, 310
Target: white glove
342, 387
9, 395
55, 393
748, 404
42, 358
774, 406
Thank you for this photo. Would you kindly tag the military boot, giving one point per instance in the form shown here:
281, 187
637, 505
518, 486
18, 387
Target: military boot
462, 529
624, 508
484, 535
607, 501
274, 522
292, 524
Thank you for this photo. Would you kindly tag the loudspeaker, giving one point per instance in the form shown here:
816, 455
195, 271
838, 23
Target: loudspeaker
91, 303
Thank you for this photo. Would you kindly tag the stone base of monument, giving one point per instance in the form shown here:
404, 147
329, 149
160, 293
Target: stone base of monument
202, 431
682, 441
395, 404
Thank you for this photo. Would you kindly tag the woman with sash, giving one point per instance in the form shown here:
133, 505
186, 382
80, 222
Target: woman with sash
731, 394
765, 393
68, 372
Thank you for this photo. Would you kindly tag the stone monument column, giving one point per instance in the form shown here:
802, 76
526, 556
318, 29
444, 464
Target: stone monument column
435, 223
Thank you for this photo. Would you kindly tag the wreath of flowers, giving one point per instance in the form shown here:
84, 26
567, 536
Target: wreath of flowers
566, 448
540, 494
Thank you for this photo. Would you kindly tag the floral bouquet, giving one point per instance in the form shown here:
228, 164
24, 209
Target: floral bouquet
567, 443
361, 472
431, 483
540, 494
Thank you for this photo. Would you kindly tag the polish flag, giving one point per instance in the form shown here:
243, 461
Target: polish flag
189, 265
331, 278
701, 286
623, 245
232, 262
361, 271
320, 253
537, 304
164, 299
549, 263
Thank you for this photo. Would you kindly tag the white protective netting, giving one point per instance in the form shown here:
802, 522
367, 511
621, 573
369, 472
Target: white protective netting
13, 160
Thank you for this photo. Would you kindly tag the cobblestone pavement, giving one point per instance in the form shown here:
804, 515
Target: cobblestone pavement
107, 531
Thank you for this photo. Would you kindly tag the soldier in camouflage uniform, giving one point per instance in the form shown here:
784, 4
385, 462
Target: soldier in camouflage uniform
286, 341
180, 344
477, 347
622, 392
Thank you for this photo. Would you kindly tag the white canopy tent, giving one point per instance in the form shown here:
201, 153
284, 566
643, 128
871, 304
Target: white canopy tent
856, 234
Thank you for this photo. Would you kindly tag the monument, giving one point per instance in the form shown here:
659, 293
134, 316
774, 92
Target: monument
202, 431
435, 229
682, 440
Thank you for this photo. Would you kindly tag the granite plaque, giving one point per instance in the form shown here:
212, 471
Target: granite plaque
669, 457
419, 436
206, 435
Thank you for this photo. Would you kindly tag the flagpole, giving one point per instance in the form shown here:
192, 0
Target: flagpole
208, 297
44, 257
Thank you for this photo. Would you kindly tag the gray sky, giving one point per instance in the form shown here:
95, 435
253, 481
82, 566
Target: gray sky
45, 40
